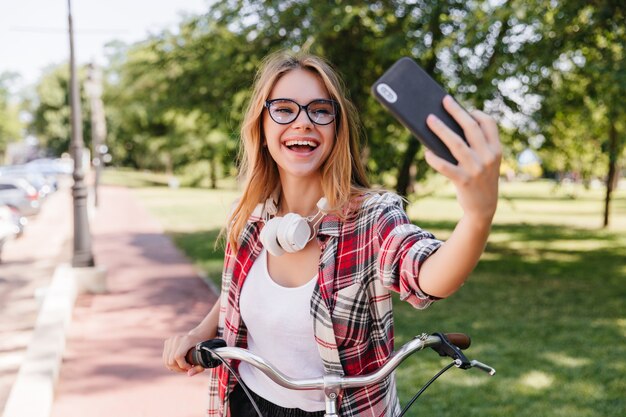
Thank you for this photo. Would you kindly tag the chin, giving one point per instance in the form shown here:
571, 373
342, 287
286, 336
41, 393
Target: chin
302, 173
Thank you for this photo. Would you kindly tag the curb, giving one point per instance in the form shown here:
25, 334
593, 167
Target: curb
209, 283
32, 393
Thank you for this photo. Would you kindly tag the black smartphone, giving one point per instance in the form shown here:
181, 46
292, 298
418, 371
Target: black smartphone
410, 94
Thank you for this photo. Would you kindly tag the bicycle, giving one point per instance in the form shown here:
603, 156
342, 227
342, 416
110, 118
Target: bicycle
212, 353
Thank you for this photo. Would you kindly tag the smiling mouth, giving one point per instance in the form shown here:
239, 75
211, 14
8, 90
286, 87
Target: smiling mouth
301, 145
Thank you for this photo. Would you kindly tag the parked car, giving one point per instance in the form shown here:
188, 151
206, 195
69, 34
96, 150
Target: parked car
47, 166
18, 193
9, 226
44, 183
14, 217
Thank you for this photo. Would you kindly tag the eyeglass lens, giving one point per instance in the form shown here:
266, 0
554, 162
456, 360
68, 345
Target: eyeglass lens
283, 111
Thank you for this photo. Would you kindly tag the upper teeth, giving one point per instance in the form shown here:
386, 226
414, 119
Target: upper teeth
301, 142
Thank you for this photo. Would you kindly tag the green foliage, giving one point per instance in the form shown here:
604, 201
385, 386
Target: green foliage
51, 114
583, 109
583, 95
10, 125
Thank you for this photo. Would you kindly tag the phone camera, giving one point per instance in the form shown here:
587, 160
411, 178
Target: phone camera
387, 92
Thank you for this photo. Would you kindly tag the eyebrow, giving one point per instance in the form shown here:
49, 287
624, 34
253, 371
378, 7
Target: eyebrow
297, 101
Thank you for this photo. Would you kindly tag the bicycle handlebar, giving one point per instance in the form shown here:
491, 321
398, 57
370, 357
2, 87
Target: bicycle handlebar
210, 353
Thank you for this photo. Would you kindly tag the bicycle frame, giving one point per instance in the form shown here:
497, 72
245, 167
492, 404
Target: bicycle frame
334, 384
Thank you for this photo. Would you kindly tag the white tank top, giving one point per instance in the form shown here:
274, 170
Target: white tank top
280, 330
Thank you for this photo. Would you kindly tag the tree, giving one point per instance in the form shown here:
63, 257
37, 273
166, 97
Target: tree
10, 125
51, 112
583, 105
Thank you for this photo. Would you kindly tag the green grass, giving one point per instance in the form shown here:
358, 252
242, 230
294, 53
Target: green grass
545, 307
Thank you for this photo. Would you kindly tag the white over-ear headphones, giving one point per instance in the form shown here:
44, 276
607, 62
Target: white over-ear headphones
292, 232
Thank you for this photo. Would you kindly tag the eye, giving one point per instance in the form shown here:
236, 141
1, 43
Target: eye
321, 111
283, 107
321, 108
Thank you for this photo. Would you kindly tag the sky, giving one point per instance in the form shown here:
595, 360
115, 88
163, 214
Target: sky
34, 33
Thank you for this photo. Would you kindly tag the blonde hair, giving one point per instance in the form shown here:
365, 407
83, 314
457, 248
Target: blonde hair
343, 175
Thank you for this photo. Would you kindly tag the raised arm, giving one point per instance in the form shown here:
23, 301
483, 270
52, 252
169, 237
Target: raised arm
476, 181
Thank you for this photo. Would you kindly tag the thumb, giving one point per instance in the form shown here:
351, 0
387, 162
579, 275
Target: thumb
195, 370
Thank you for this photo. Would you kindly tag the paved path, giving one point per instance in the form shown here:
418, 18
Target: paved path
112, 363
27, 267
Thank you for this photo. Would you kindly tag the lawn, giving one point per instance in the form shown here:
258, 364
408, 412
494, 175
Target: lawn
545, 307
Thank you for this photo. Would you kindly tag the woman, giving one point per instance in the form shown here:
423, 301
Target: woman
321, 304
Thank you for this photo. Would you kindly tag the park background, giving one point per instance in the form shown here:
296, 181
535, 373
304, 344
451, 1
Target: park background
546, 304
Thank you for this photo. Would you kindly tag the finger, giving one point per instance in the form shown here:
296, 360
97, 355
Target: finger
457, 146
195, 370
168, 357
473, 132
445, 168
492, 157
180, 361
165, 344
489, 127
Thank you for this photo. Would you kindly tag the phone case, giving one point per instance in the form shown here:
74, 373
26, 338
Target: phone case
410, 94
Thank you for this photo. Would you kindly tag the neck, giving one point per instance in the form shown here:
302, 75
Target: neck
300, 196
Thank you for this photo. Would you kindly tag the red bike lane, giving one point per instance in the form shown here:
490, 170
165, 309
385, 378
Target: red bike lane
112, 362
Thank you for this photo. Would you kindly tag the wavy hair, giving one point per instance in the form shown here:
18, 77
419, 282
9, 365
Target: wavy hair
343, 174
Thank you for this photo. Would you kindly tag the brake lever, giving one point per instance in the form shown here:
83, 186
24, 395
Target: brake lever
446, 348
483, 367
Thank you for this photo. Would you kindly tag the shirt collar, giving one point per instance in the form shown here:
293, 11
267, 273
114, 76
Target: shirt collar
263, 211
330, 226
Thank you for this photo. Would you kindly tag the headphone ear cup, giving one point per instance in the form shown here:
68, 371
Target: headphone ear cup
268, 236
293, 232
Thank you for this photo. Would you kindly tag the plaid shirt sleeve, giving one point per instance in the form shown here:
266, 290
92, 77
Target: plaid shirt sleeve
403, 249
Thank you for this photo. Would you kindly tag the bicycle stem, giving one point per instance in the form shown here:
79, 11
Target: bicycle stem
331, 396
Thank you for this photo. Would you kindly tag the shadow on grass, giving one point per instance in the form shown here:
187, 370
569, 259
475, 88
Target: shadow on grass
545, 307
525, 197
534, 232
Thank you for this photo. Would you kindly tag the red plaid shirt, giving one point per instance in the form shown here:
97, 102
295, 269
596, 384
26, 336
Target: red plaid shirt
373, 251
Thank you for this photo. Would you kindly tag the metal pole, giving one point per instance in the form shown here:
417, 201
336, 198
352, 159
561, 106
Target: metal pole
82, 255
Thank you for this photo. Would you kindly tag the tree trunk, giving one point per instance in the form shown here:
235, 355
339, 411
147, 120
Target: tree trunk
610, 178
213, 174
404, 174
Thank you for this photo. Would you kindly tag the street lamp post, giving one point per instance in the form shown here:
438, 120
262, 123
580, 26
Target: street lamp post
82, 254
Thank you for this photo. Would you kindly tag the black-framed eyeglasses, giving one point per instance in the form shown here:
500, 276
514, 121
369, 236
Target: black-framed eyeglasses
284, 110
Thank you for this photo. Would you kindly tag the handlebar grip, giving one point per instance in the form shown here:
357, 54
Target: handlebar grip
460, 340
191, 357
201, 353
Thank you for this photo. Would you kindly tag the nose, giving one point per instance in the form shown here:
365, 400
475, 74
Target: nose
303, 120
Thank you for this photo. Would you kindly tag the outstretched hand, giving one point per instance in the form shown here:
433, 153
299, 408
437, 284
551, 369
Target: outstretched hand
476, 175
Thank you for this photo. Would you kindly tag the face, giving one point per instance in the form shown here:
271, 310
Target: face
300, 147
